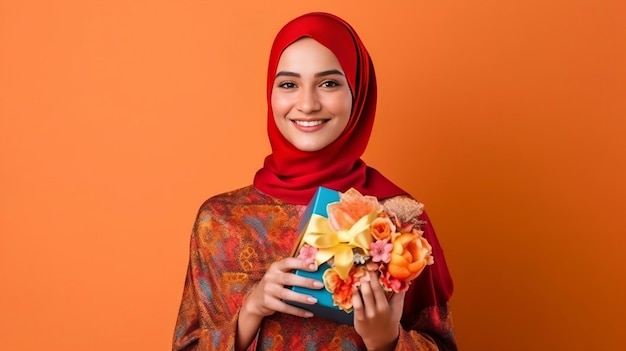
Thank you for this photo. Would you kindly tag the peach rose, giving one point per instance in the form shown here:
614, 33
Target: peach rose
352, 206
411, 253
382, 228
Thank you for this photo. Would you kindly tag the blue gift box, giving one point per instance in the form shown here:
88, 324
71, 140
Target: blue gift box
324, 306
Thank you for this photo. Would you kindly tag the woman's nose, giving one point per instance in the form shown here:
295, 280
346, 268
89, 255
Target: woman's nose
308, 101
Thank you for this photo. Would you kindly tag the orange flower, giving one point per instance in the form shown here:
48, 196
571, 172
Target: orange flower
382, 228
411, 253
351, 207
340, 289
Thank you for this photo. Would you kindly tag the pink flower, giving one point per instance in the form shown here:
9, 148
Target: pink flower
307, 253
380, 250
390, 283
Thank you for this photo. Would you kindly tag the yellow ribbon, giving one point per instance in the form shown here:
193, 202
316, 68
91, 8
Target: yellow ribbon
339, 245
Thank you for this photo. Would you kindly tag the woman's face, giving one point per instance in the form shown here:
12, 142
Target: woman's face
311, 98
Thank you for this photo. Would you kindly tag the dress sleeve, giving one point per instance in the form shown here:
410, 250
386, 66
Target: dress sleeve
432, 331
212, 294
426, 319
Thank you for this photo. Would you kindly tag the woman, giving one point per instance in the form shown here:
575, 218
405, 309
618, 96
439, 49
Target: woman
321, 91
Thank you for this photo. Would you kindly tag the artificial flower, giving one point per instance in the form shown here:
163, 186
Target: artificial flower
405, 208
307, 253
411, 253
361, 235
382, 227
341, 289
390, 283
351, 207
381, 251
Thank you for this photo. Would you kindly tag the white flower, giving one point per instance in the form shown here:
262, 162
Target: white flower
359, 259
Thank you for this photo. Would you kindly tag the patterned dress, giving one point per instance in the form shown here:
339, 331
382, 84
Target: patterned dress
236, 236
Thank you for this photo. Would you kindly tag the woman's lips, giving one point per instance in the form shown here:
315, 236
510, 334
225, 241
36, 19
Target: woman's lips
309, 125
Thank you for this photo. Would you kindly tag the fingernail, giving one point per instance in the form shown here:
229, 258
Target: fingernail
317, 284
311, 299
308, 315
313, 266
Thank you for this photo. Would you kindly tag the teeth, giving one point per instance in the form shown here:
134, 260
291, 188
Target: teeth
308, 123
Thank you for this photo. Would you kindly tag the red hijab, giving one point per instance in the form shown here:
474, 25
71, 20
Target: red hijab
293, 175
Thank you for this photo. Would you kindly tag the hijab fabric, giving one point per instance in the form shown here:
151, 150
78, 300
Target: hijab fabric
293, 175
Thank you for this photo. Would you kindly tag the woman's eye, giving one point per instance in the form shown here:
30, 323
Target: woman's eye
330, 84
287, 85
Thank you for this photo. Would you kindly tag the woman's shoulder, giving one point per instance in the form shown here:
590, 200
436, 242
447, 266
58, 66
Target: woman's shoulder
244, 196
239, 196
223, 205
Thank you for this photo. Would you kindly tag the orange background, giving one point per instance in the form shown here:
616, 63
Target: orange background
118, 118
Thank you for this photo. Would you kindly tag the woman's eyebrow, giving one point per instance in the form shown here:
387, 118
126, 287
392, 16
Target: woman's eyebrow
319, 74
287, 74
329, 73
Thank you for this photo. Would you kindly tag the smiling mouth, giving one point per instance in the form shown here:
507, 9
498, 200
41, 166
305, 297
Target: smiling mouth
310, 123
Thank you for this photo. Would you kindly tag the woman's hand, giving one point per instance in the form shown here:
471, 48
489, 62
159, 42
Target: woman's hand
267, 297
376, 319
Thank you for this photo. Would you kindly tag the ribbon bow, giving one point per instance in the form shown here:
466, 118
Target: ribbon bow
339, 244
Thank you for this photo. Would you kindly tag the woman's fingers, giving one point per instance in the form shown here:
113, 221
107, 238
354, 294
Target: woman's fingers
292, 263
291, 296
273, 290
281, 273
357, 305
295, 311
277, 303
397, 299
291, 279
369, 302
377, 291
